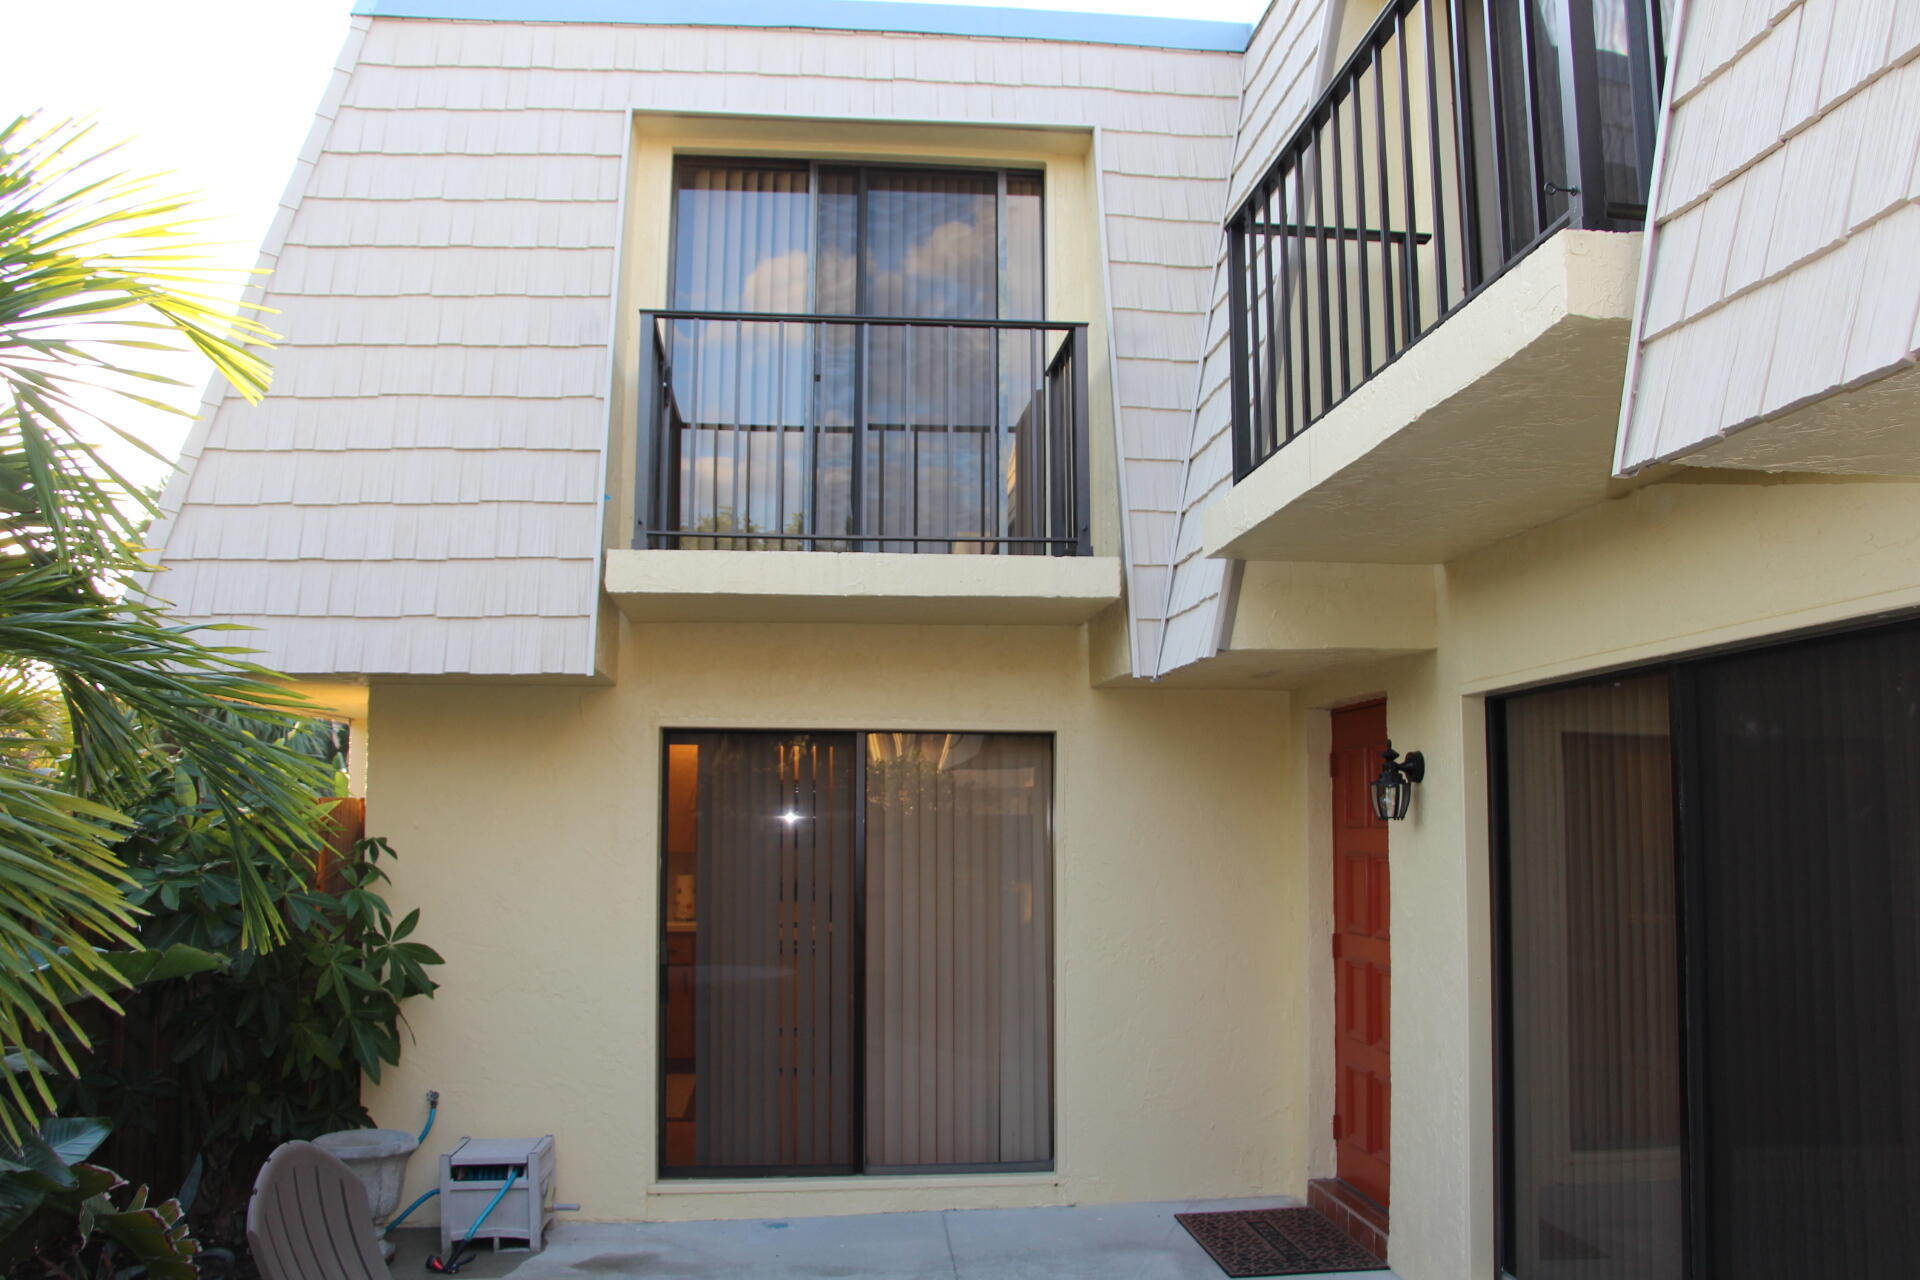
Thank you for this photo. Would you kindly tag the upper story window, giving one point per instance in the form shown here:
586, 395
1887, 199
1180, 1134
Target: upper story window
856, 358
1452, 139
767, 237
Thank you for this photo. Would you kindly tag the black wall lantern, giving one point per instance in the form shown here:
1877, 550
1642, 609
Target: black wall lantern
1393, 789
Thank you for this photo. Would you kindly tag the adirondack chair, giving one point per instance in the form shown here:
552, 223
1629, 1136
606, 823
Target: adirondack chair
309, 1219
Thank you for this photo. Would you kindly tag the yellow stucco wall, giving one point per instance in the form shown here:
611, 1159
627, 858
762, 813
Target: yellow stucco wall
1193, 1030
526, 823
1705, 559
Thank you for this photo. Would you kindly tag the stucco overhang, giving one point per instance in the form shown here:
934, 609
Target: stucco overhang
1499, 420
853, 586
1293, 623
334, 699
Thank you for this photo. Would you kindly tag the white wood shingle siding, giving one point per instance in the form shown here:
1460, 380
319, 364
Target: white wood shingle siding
422, 491
1282, 79
1785, 259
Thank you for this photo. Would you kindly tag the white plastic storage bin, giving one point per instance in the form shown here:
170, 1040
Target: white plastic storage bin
475, 1170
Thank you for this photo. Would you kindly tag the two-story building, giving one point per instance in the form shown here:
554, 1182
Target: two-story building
873, 552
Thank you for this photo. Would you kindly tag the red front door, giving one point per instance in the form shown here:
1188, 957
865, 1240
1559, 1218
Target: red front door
1361, 968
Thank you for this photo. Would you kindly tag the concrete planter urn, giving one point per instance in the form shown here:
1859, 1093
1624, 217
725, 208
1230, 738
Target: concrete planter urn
379, 1158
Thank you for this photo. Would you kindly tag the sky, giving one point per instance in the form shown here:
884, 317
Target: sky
220, 94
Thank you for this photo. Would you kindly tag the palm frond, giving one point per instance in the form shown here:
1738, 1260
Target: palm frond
92, 263
60, 905
99, 268
133, 682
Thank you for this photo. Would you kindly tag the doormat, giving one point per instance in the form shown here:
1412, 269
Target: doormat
1276, 1242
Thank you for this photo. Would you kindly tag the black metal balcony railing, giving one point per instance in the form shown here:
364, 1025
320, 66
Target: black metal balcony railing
843, 433
1457, 136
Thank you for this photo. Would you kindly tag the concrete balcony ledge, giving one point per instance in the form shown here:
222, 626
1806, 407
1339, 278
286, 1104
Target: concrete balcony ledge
1501, 419
858, 586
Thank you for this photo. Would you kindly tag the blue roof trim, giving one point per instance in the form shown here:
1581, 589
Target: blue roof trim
842, 15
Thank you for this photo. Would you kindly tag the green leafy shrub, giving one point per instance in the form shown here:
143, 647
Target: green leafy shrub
210, 1072
59, 1215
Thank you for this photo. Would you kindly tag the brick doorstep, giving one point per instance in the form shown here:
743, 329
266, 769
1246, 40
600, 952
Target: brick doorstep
1360, 1219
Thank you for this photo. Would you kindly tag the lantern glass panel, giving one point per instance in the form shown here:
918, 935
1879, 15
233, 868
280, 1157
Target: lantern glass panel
1391, 792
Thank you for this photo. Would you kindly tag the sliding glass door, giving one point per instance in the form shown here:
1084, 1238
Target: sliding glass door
805, 429
857, 952
1708, 890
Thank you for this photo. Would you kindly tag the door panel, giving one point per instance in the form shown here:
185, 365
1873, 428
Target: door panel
1362, 979
770, 1084
1804, 839
1592, 1007
959, 897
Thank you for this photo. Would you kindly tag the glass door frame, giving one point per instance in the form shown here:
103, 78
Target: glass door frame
1500, 850
857, 1117
1688, 751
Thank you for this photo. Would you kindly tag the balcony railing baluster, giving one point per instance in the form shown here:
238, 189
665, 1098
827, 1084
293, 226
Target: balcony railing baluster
1409, 259
1357, 104
1436, 161
1341, 292
885, 445
1377, 70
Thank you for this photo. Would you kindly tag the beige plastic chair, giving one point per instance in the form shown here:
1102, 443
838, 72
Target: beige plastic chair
309, 1219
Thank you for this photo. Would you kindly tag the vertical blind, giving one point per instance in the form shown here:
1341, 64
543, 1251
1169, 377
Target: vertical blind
741, 236
959, 990
774, 979
742, 242
783, 237
922, 861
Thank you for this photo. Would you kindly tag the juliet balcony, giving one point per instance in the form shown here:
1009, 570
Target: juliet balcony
1431, 288
803, 467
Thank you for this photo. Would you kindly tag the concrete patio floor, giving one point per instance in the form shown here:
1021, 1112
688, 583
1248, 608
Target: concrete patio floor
1090, 1242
